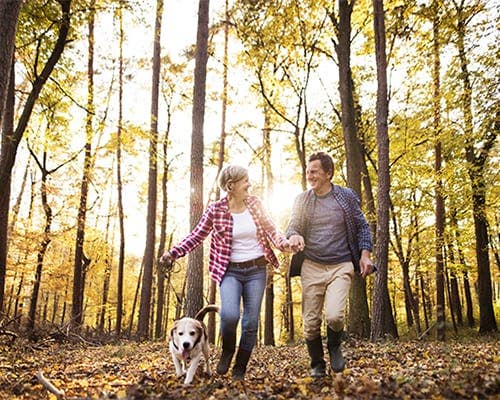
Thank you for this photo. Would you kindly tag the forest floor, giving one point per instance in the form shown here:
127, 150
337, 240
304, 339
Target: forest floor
465, 369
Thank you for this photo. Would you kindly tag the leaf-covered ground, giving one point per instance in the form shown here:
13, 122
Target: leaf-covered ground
388, 370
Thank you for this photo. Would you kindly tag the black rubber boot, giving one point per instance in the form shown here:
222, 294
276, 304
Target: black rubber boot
228, 345
240, 365
337, 361
315, 349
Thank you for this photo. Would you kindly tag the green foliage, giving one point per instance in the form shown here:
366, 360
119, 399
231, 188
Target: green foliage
284, 52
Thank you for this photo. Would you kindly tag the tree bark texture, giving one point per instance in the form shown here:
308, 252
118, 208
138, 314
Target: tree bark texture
476, 163
439, 200
46, 238
79, 261
382, 320
147, 277
9, 16
7, 129
121, 222
194, 296
359, 319
212, 293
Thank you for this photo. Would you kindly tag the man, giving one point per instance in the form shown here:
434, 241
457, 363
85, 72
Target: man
328, 225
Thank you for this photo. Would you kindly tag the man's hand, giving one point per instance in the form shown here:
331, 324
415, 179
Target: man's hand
366, 266
296, 243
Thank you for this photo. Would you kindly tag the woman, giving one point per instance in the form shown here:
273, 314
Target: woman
240, 250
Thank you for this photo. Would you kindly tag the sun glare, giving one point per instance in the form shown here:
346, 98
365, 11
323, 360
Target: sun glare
281, 200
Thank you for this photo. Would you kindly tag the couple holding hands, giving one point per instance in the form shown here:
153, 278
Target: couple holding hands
326, 224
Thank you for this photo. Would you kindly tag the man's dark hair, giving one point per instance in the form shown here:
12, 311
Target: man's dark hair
325, 159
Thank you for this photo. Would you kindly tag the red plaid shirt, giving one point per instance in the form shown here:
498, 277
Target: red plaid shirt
217, 220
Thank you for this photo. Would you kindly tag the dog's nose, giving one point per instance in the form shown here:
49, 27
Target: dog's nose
185, 345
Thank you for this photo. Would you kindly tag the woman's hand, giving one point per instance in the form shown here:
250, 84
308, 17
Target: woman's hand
287, 248
166, 261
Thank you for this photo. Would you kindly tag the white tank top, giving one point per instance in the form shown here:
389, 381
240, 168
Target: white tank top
245, 243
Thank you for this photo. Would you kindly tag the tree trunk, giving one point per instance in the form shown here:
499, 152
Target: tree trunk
147, 277
43, 246
194, 296
269, 312
136, 297
290, 313
463, 263
9, 16
383, 321
346, 90
160, 276
121, 254
424, 301
108, 261
476, 164
455, 302
268, 178
358, 322
19, 198
7, 128
11, 140
359, 319
448, 292
65, 303
468, 300
220, 161
159, 330
55, 304
439, 200
78, 269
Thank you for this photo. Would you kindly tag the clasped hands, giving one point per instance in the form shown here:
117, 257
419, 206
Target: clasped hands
296, 243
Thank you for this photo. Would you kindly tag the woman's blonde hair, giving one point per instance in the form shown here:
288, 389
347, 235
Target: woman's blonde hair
231, 174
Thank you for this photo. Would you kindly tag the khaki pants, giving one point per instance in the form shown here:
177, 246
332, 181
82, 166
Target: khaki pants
324, 286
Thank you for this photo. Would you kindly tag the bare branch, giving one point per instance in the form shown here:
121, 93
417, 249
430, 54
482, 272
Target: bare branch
50, 386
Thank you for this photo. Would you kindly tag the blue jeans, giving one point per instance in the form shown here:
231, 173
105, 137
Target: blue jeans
247, 284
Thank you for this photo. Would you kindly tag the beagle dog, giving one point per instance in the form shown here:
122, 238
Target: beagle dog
188, 342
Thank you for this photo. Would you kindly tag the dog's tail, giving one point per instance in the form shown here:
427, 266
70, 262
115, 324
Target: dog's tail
205, 310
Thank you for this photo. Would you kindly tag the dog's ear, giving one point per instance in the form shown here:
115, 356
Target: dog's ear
174, 328
201, 330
